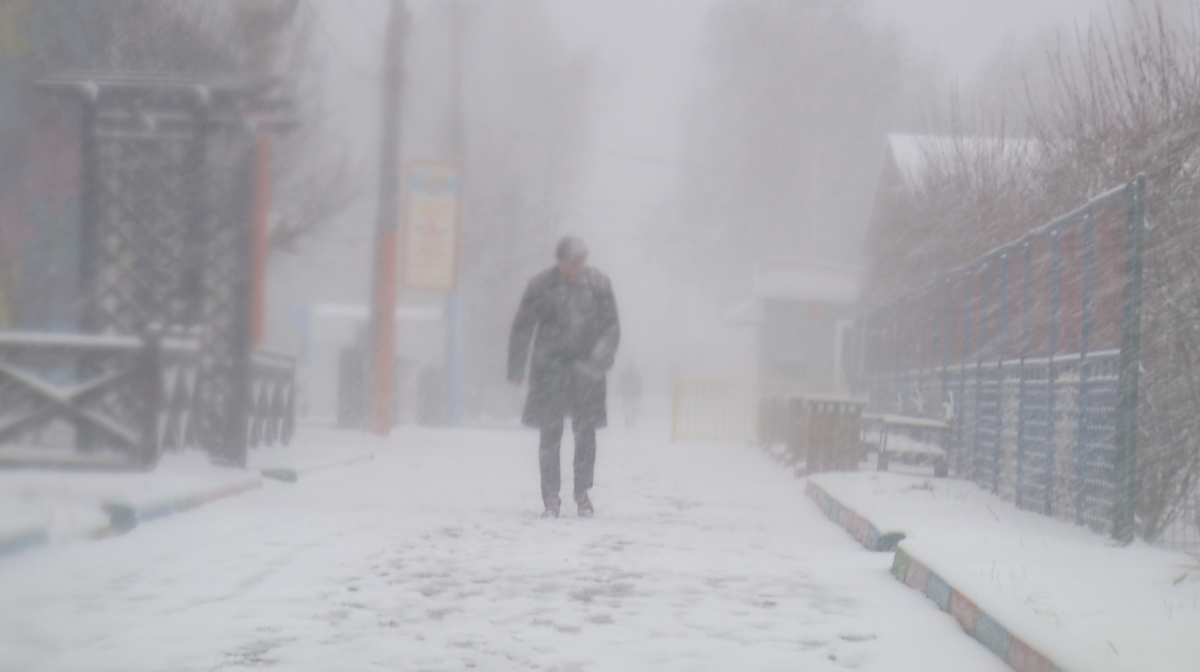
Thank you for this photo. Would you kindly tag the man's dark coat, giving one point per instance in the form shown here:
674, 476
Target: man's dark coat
575, 332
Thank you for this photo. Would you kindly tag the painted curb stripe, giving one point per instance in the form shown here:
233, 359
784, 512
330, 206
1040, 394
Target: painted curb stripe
992, 634
962, 608
21, 540
168, 507
292, 474
918, 575
938, 590
915, 574
860, 528
153, 511
976, 622
124, 517
900, 564
285, 474
1023, 658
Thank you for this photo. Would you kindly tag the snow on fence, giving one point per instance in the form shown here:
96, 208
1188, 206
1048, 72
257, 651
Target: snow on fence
1031, 353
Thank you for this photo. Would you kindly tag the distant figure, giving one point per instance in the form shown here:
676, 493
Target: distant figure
570, 314
629, 386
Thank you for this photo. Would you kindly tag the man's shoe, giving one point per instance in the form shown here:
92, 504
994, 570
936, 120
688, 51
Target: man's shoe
585, 505
551, 509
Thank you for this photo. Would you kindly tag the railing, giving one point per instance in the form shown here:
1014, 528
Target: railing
819, 432
273, 417
121, 401
727, 409
715, 409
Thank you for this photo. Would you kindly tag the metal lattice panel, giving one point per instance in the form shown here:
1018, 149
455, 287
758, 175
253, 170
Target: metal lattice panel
142, 234
166, 239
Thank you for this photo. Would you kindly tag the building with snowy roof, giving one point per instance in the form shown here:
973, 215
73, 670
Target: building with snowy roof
804, 310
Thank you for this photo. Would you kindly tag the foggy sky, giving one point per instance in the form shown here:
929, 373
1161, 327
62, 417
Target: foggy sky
963, 35
645, 55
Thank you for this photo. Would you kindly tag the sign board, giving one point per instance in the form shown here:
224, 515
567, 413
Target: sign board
432, 202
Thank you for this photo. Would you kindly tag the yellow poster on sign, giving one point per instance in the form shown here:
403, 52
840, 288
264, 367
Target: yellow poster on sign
433, 199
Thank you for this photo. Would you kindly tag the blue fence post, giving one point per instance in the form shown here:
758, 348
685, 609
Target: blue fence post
943, 346
1125, 459
870, 355
960, 441
981, 335
917, 334
905, 318
864, 334
897, 350
1002, 346
906, 322
1021, 389
1052, 371
1085, 337
893, 351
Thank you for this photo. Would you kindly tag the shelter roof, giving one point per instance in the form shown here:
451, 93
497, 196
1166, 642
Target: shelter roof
791, 279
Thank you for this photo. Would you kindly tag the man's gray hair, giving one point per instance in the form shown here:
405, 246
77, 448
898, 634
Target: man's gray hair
570, 249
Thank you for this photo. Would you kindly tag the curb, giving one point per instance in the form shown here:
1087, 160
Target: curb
986, 630
916, 574
124, 516
863, 530
293, 474
15, 541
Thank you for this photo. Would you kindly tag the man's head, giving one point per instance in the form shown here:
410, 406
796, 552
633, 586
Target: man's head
572, 257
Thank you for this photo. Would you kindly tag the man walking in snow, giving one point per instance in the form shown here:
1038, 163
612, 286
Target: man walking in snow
570, 314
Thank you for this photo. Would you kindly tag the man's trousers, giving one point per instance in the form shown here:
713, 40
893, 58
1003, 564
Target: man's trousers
548, 457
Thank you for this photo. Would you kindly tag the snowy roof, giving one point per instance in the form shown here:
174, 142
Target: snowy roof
911, 153
798, 280
807, 280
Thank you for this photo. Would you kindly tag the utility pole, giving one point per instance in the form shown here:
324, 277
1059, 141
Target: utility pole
261, 22
383, 292
454, 364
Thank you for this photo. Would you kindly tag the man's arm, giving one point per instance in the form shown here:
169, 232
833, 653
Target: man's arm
523, 328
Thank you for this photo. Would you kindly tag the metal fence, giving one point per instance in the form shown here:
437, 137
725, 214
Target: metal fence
814, 432
818, 432
1031, 353
121, 401
166, 202
715, 409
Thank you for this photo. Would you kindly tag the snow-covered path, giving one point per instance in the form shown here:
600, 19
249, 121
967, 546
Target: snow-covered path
432, 557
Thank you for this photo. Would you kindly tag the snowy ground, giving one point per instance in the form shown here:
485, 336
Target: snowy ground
432, 557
